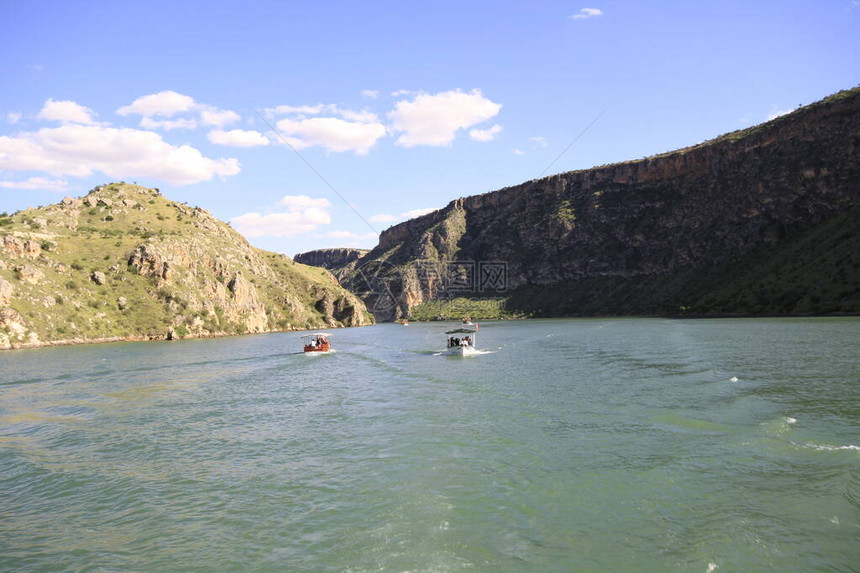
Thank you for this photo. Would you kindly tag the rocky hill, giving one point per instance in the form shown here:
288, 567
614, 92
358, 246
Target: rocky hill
126, 263
338, 261
762, 221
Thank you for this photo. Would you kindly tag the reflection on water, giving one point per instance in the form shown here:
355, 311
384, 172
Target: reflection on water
587, 445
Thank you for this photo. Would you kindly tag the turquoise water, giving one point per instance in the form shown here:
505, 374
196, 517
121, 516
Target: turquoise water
574, 445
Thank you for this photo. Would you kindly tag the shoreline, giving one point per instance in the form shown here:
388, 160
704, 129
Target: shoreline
148, 338
165, 338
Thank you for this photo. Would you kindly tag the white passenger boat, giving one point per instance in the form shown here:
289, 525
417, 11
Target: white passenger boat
461, 342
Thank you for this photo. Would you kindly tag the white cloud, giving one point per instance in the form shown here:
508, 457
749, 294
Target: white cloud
435, 119
331, 133
399, 93
13, 117
587, 13
40, 183
386, 218
66, 112
541, 141
777, 112
303, 215
217, 117
237, 138
167, 124
359, 116
165, 104
155, 109
301, 111
519, 152
76, 150
350, 239
416, 213
350, 130
351, 235
370, 94
298, 202
298, 109
274, 224
315, 215
485, 134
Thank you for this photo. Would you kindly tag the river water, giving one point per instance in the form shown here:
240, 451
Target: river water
570, 445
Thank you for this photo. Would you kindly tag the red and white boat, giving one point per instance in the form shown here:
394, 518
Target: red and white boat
317, 343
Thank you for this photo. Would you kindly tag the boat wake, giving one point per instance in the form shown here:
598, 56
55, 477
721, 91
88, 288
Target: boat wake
828, 448
332, 351
473, 353
779, 427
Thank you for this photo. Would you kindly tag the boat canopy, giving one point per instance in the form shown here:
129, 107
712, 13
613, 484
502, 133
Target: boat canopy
316, 334
462, 331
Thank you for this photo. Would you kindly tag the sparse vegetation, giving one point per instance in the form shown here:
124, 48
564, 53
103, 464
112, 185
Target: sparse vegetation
141, 301
816, 272
475, 307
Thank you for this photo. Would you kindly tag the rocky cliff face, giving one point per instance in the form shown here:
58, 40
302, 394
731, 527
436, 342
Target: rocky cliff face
124, 262
668, 216
335, 260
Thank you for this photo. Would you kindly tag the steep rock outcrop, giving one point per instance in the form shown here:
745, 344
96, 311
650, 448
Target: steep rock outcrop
339, 261
6, 292
675, 214
18, 248
331, 259
29, 274
244, 301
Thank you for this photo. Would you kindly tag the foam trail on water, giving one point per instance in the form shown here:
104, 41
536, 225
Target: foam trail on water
826, 448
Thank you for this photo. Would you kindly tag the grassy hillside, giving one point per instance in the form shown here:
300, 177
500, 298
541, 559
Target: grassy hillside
126, 262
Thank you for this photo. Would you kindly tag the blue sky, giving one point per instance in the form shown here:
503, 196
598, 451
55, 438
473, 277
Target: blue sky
400, 107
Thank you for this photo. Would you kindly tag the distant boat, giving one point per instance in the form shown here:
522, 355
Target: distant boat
458, 345
317, 342
467, 320
404, 322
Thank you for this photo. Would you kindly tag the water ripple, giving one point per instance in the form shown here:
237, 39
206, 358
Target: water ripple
604, 445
